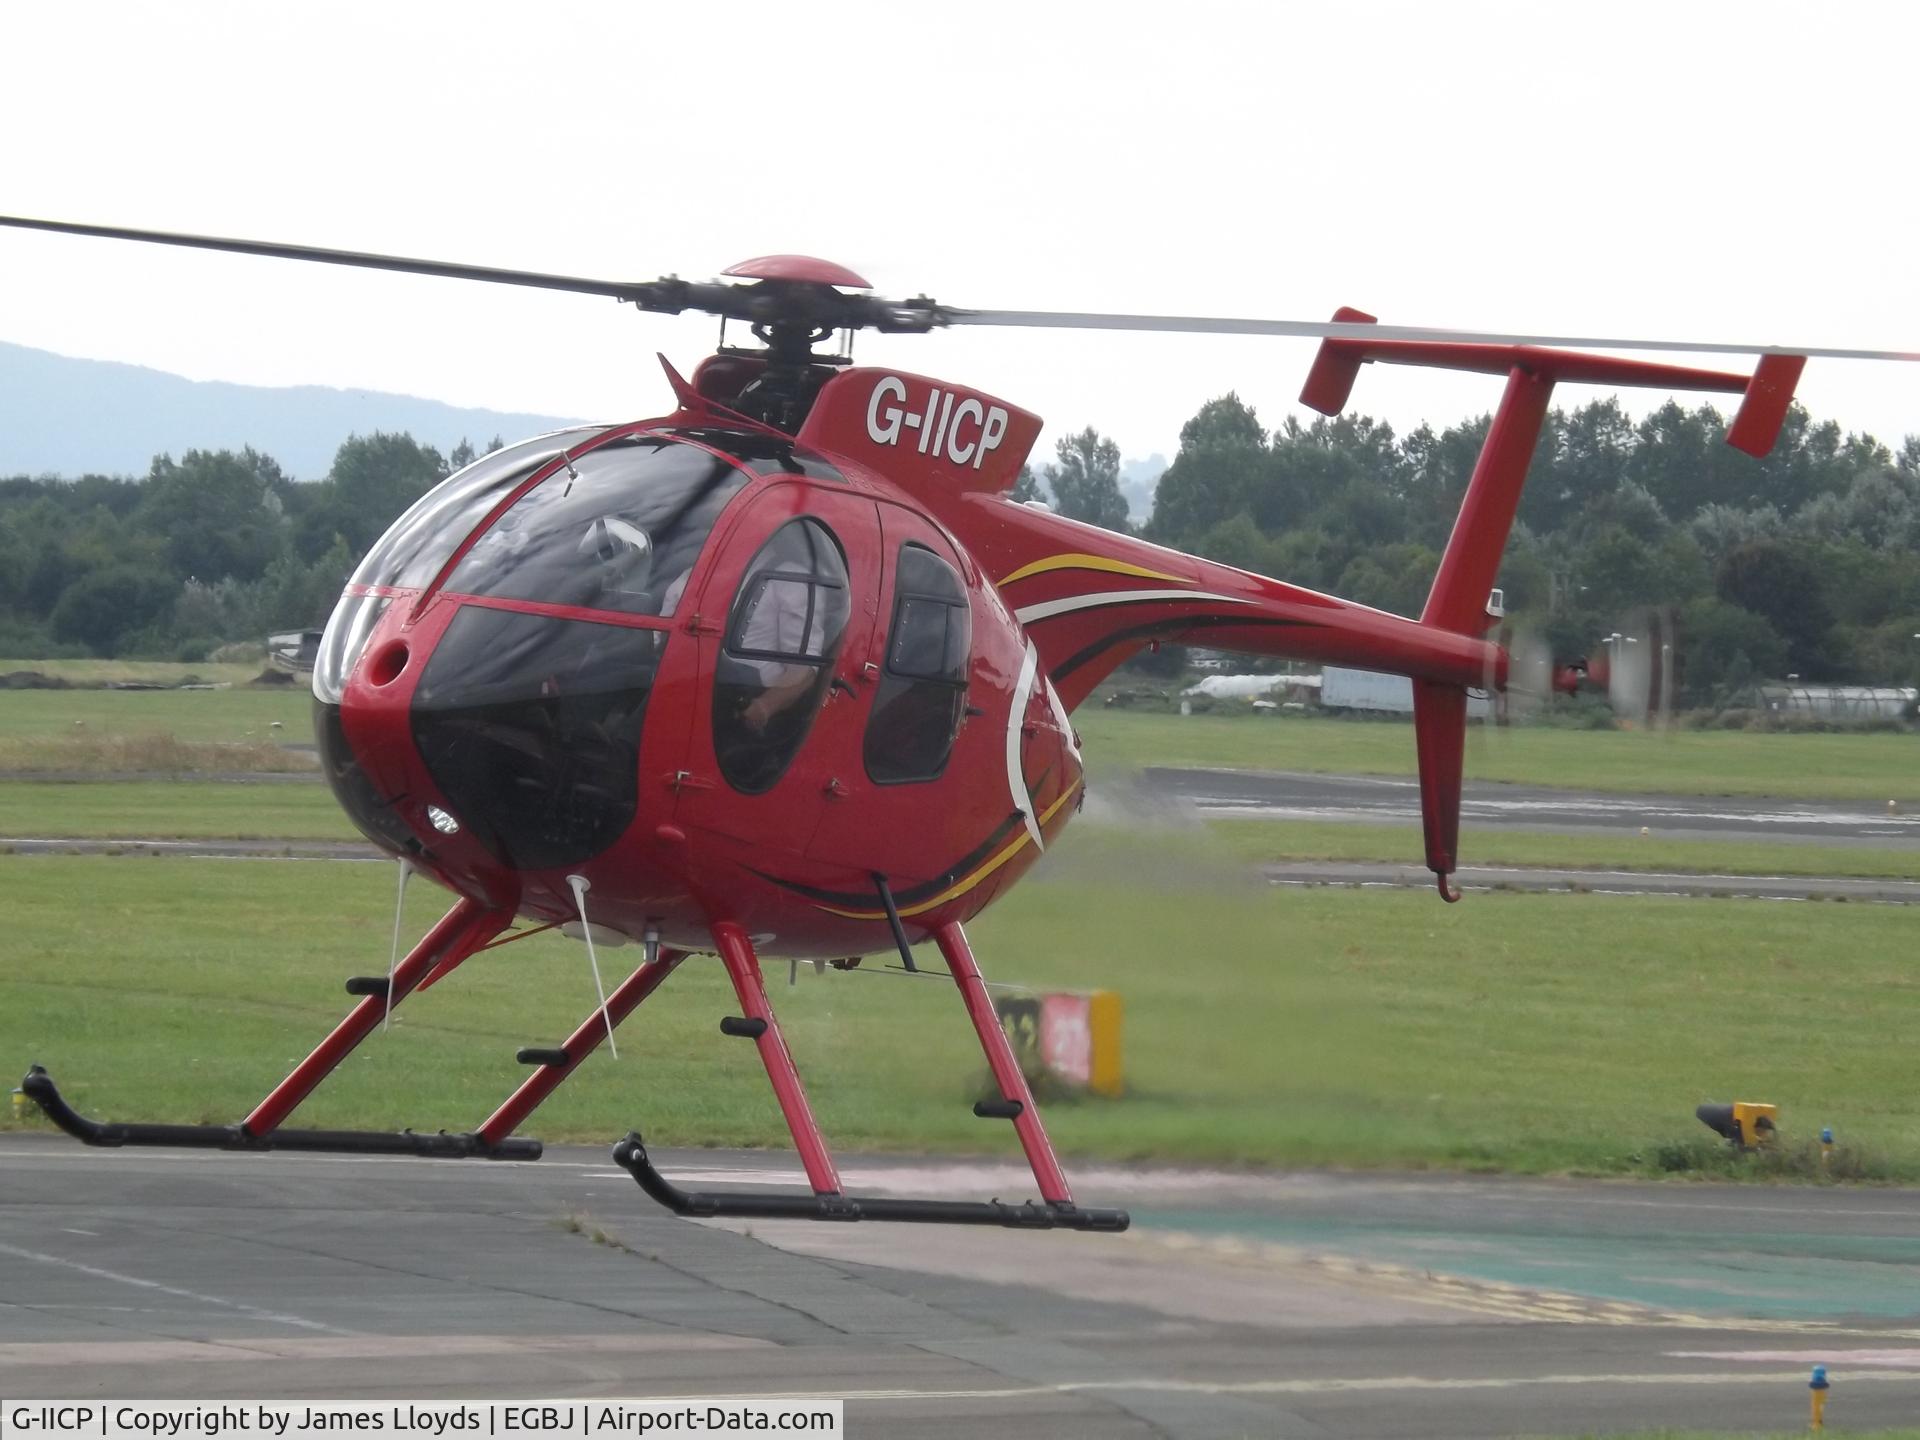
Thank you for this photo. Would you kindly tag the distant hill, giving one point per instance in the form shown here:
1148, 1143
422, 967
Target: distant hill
61, 416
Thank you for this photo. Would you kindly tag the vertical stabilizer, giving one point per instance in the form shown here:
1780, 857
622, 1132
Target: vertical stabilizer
1457, 604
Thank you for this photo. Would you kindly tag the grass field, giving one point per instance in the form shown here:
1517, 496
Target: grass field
83, 753
1874, 767
1871, 767
151, 672
190, 715
1261, 841
204, 809
1530, 1033
172, 810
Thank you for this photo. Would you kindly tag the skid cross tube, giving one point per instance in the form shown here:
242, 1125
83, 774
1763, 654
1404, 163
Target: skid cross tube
557, 1066
1015, 1095
461, 931
743, 969
465, 928
1054, 1211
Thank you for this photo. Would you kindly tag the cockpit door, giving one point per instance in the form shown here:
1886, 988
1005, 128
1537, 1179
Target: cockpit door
783, 620
927, 755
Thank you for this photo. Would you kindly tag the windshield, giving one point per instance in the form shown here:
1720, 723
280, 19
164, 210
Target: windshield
414, 548
617, 530
530, 726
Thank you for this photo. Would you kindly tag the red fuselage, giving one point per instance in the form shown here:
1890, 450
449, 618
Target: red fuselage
726, 674
605, 739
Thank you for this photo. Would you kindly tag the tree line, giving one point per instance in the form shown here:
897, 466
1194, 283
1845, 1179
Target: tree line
211, 548
1806, 561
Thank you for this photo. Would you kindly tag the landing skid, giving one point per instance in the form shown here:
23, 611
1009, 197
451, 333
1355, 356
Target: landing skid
463, 931
467, 929
1054, 1211
631, 1155
112, 1134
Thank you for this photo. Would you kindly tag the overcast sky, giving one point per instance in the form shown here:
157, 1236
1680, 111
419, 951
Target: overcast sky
1713, 172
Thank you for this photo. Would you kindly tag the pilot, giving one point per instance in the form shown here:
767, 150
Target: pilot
777, 624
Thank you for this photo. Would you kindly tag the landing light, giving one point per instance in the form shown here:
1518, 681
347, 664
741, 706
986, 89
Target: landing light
442, 821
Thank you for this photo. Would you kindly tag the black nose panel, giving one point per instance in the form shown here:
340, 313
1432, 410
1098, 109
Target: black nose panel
364, 804
530, 726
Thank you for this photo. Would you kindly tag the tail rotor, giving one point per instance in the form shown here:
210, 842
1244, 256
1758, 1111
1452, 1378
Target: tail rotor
1637, 668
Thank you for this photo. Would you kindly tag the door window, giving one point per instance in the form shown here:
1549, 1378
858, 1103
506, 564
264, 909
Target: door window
922, 692
783, 635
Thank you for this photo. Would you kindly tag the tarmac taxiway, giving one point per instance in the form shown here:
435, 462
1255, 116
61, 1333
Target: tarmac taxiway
1241, 1304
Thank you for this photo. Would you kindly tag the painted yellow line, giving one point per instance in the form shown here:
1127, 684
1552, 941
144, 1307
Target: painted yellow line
1078, 560
1500, 1299
968, 882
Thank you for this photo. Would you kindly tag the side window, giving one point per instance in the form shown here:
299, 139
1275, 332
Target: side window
777, 661
923, 690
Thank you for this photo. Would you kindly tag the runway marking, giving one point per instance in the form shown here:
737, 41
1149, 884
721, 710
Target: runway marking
1735, 1209
1498, 1299
252, 1312
1370, 1384
1473, 1382
357, 1347
1454, 1292
28, 1149
1888, 1358
414, 1347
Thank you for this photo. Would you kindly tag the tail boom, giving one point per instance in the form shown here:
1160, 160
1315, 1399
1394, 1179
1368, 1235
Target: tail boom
1089, 598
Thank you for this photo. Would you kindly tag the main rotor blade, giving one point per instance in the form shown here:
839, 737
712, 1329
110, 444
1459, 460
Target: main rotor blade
579, 284
671, 296
1338, 330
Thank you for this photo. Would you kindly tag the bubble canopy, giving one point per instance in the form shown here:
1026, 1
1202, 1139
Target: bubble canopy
617, 529
529, 723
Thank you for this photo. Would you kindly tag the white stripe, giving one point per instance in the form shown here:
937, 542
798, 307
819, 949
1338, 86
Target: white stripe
1060, 713
1888, 1358
1016, 718
1047, 609
1386, 1384
252, 1312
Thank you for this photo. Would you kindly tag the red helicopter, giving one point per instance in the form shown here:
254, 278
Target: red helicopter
787, 673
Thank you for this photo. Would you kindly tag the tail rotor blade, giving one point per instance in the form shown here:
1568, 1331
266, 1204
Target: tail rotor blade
1529, 673
1641, 670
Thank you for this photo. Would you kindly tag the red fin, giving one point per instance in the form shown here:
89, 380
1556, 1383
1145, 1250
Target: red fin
683, 391
1440, 733
1335, 367
1763, 410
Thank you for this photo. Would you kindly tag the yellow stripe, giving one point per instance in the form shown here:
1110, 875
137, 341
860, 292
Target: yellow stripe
1054, 809
1079, 561
968, 882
